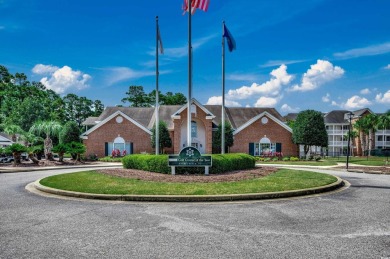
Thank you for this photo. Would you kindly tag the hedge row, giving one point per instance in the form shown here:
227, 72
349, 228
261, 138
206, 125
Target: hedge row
221, 163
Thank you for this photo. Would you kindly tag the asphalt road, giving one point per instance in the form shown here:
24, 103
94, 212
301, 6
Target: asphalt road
352, 223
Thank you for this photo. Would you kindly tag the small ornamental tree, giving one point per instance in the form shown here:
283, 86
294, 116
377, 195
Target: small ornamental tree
229, 140
49, 128
60, 149
309, 130
16, 149
77, 148
164, 138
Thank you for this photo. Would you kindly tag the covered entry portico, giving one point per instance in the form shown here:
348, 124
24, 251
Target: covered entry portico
201, 128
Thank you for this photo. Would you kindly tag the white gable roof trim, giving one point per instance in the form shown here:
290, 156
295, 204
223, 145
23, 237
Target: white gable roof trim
257, 117
101, 123
194, 101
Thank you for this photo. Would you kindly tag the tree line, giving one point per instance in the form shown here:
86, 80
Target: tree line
31, 113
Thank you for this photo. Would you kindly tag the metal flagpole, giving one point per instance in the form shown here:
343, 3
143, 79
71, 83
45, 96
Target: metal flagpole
189, 138
157, 95
223, 93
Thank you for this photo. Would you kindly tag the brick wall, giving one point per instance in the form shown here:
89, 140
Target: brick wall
257, 130
110, 130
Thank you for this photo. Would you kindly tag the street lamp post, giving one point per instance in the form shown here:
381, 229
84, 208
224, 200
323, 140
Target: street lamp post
350, 116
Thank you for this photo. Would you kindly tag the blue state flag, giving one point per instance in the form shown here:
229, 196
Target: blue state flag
230, 40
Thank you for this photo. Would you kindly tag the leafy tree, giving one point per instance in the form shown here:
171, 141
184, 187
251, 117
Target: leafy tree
229, 140
16, 149
309, 130
69, 132
80, 108
174, 99
5, 76
136, 97
49, 128
164, 138
168, 99
98, 108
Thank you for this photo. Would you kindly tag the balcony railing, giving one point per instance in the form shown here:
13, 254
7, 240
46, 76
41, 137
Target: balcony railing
338, 143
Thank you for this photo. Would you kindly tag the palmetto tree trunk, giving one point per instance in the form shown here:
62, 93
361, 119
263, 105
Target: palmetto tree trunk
49, 128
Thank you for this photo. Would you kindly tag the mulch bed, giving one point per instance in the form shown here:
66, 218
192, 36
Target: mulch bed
212, 178
44, 163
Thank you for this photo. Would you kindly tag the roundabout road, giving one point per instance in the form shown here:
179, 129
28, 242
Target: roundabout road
353, 223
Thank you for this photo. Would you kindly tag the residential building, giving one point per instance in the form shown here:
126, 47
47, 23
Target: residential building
257, 131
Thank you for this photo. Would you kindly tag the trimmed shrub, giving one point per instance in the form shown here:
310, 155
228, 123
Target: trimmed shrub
286, 158
293, 158
221, 163
110, 159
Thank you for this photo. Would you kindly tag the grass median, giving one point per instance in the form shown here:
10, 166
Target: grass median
98, 183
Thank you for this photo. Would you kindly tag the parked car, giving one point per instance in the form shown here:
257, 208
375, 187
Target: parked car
7, 159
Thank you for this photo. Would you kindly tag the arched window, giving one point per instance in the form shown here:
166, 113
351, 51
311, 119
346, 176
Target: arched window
119, 143
265, 146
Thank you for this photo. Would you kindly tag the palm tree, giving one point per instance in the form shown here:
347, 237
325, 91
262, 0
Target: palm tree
371, 124
384, 122
49, 128
13, 130
360, 126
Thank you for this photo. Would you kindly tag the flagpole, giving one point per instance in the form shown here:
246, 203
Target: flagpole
157, 95
223, 93
189, 139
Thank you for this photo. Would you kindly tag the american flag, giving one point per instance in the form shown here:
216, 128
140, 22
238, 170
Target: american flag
200, 4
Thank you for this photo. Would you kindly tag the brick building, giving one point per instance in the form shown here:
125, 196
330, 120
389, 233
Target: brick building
257, 131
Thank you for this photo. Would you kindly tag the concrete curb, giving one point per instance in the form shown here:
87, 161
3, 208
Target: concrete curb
32, 169
193, 198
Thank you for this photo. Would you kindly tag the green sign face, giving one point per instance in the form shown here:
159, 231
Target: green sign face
189, 156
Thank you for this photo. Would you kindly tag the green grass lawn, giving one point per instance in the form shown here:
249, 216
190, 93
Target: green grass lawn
93, 182
314, 163
371, 160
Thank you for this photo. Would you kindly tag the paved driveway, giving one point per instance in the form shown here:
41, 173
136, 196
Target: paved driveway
353, 223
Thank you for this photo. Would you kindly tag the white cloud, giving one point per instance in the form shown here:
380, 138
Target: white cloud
217, 100
41, 69
61, 79
383, 98
356, 102
118, 74
387, 67
279, 77
321, 72
242, 77
366, 51
286, 108
267, 102
326, 98
274, 63
365, 91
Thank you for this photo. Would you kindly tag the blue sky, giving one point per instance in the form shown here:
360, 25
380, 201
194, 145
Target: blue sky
291, 55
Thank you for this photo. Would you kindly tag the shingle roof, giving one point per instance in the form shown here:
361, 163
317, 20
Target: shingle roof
90, 121
241, 115
291, 116
142, 115
237, 116
337, 116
